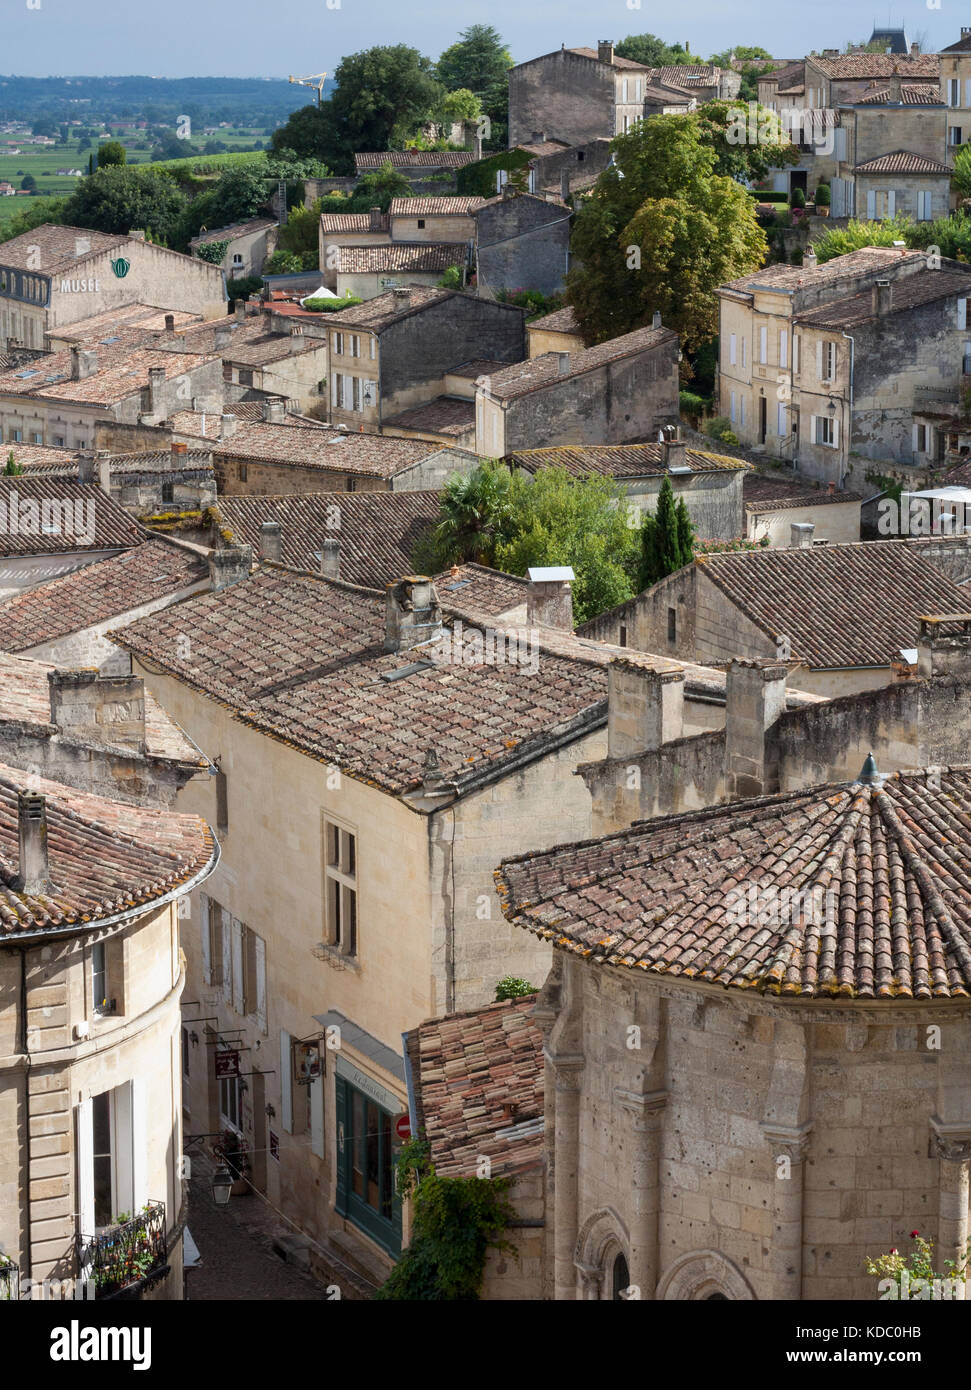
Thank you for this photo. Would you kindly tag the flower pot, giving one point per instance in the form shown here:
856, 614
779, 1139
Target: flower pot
822, 212
240, 1188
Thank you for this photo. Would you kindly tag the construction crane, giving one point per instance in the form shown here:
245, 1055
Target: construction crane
316, 81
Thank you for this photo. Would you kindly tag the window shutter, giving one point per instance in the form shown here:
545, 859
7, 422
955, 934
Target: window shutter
914, 443
335, 389
239, 992
227, 940
85, 1194
836, 434
782, 419
814, 428
343, 1145
731, 350
742, 404
260, 952
139, 1156
819, 361
967, 91
962, 315
286, 1081
832, 361
871, 205
206, 942
783, 348
891, 203
317, 1116
795, 353
744, 350
733, 407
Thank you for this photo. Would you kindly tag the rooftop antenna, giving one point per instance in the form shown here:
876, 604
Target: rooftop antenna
316, 81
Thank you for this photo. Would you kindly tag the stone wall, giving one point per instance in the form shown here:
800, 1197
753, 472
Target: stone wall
522, 242
563, 95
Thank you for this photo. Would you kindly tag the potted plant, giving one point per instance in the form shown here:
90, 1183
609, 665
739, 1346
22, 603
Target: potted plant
231, 1149
797, 199
823, 200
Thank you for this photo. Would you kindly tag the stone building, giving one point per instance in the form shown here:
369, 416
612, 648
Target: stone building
829, 364
91, 975
890, 155
710, 484
618, 392
773, 505
521, 242
248, 246
578, 95
53, 276
556, 332
956, 88
368, 271
833, 79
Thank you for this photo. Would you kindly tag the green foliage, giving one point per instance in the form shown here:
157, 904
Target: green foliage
31, 213
453, 279
797, 199
460, 105
28, 182
12, 468
535, 302
478, 179
660, 541
720, 427
823, 195
377, 187
743, 53
474, 513
244, 287
839, 241
212, 251
283, 263
961, 177
331, 306
764, 195
299, 234
122, 197
111, 153
653, 52
476, 61
455, 1222
738, 158
660, 231
512, 987
692, 405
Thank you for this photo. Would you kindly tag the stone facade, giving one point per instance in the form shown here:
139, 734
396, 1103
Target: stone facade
522, 242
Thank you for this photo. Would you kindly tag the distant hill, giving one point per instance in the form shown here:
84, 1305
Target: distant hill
249, 101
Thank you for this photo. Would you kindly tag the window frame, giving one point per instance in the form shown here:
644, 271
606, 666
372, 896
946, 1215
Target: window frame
341, 880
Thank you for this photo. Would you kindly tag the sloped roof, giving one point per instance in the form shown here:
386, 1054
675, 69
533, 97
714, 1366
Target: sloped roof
411, 257
763, 494
538, 372
560, 321
911, 94
480, 588
54, 516
433, 207
860, 65
453, 416
845, 891
121, 372
235, 229
351, 222
56, 248
478, 1078
620, 460
909, 293
326, 447
854, 263
840, 605
414, 159
903, 162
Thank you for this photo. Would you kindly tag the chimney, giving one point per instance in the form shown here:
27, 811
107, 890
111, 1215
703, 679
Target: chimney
412, 615
375, 220
273, 412
84, 363
330, 558
402, 297
809, 259
895, 95
801, 535
549, 598
881, 297
34, 875
645, 708
915, 47
99, 709
239, 309
227, 426
477, 146
562, 364
755, 696
222, 336
178, 455
538, 137
229, 566
156, 385
170, 323
605, 50
271, 542
832, 489
296, 340
656, 320
944, 645
509, 190
674, 452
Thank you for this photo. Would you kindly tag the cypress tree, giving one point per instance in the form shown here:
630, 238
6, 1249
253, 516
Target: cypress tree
686, 533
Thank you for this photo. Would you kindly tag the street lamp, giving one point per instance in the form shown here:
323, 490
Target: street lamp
831, 408
221, 1185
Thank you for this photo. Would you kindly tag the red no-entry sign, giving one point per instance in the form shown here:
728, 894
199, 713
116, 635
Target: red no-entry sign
402, 1126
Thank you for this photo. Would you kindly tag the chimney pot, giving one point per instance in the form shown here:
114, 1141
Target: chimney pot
412, 613
882, 297
271, 542
170, 323
809, 259
34, 875
84, 363
227, 426
273, 412
605, 50
944, 645
563, 364
656, 320
330, 558
239, 309
222, 336
229, 566
674, 452
375, 220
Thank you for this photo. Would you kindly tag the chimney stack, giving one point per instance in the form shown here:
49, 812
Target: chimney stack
562, 364
239, 310
801, 535
656, 320
809, 260
271, 542
605, 50
549, 598
755, 696
296, 340
645, 708
99, 709
538, 137
34, 875
674, 452
84, 363
227, 426
273, 412
477, 146
178, 455
222, 336
881, 297
170, 323
402, 297
412, 613
229, 566
944, 645
375, 220
156, 386
330, 558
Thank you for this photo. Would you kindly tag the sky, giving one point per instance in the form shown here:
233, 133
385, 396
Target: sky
250, 38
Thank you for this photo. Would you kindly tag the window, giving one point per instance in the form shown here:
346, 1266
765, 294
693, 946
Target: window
245, 376
732, 410
580, 152
421, 223
350, 485
103, 1159
744, 352
211, 928
355, 345
624, 89
672, 624
37, 437
15, 436
110, 1148
168, 492
339, 343
243, 471
340, 888
374, 347
229, 1107
58, 441
626, 124
356, 393
185, 1053
955, 135
99, 979
623, 636
237, 259
366, 1190
825, 431
619, 1279
254, 976
923, 207
826, 360
795, 354
962, 315
954, 92
783, 348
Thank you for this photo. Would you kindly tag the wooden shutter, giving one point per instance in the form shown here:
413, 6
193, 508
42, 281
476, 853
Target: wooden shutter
783, 348
891, 203
813, 429
206, 942
836, 434
139, 1144
227, 943
795, 353
733, 408
85, 1141
259, 951
238, 992
871, 205
731, 350
763, 345
286, 1081
317, 1116
962, 315
819, 361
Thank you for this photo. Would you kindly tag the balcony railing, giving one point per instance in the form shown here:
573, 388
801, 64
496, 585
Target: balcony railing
124, 1259
9, 1280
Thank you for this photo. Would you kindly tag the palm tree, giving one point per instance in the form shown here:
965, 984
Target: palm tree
473, 511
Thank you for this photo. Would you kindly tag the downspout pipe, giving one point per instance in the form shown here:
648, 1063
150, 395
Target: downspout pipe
852, 342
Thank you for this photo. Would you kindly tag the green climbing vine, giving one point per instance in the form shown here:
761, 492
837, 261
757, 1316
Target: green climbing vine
455, 1222
212, 251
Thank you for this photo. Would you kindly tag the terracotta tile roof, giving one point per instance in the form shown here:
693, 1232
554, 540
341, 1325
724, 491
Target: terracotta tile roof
859, 65
121, 372
44, 502
402, 256
785, 77
145, 318
377, 531
539, 372
686, 75
235, 229
476, 587
553, 203
414, 159
350, 222
97, 593
963, 45
449, 415
620, 460
327, 448
478, 1080
763, 494
854, 263
560, 321
909, 293
903, 162
56, 246
868, 884
106, 857
384, 309
207, 423
911, 94
302, 660
840, 605
539, 148
25, 698
457, 206
251, 343
38, 456
616, 62
479, 366
148, 464
959, 475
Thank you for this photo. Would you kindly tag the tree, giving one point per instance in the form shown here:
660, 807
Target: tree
312, 132
660, 231
29, 182
653, 52
376, 188
839, 241
727, 127
34, 212
961, 177
477, 61
118, 199
461, 105
473, 514
43, 126
742, 54
13, 468
300, 233
111, 153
